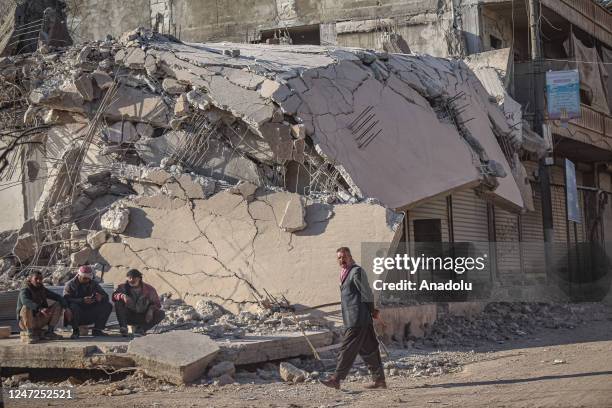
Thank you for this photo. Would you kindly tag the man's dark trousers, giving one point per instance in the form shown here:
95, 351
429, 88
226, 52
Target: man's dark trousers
96, 313
126, 316
362, 341
359, 336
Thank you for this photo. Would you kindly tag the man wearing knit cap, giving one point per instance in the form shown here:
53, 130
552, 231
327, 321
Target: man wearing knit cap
137, 303
88, 302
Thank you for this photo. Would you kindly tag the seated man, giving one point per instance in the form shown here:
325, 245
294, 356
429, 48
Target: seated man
34, 312
88, 302
137, 303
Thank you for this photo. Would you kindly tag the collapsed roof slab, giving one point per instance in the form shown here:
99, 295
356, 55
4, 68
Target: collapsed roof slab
375, 115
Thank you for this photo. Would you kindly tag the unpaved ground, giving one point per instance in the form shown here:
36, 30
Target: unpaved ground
522, 373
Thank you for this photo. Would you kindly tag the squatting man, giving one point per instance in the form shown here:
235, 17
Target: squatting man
84, 302
357, 314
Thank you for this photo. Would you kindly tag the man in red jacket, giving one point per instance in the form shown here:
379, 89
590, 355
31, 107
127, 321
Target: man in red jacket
137, 303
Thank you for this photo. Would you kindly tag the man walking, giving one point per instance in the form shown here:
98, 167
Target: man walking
34, 312
137, 303
88, 302
357, 314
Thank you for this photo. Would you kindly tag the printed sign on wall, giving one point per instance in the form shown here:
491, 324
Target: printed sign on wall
563, 94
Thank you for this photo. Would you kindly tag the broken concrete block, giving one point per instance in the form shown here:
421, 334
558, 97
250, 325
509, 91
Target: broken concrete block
139, 106
154, 175
102, 79
268, 88
115, 219
144, 130
222, 368
178, 357
291, 373
81, 257
172, 86
245, 189
225, 379
84, 86
182, 107
150, 64
293, 218
188, 186
198, 99
25, 247
122, 132
135, 58
298, 131
96, 239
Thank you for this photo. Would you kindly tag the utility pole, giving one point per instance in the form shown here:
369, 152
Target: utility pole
538, 121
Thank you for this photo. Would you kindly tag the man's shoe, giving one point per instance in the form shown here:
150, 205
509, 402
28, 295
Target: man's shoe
75, 334
29, 338
123, 331
331, 382
382, 384
98, 333
51, 335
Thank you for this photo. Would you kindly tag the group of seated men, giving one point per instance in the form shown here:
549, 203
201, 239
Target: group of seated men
84, 303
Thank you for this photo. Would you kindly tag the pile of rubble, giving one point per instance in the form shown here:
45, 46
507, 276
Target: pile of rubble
213, 320
228, 171
504, 321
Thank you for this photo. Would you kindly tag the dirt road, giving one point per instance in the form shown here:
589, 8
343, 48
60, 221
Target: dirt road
555, 368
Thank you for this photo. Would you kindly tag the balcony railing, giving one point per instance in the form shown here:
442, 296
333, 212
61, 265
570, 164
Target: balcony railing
586, 14
593, 127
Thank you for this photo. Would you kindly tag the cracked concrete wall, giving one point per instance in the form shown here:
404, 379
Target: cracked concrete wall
423, 23
94, 19
229, 250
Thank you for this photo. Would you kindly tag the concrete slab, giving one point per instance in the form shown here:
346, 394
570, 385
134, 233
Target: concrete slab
178, 356
85, 353
257, 349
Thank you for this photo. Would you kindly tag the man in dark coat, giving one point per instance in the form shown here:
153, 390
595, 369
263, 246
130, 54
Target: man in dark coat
34, 312
137, 303
88, 302
357, 314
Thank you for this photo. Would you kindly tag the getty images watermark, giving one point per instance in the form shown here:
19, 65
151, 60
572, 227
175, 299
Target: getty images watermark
405, 264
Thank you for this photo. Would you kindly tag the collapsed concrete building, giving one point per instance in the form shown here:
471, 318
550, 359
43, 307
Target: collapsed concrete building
232, 171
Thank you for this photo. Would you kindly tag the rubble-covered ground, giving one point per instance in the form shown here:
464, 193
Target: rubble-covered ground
452, 343
501, 322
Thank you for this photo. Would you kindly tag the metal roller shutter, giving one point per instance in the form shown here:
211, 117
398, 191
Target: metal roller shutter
532, 236
470, 222
507, 245
470, 225
435, 209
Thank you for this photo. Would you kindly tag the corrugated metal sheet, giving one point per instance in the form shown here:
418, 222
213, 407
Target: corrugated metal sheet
469, 217
8, 304
435, 209
532, 235
508, 254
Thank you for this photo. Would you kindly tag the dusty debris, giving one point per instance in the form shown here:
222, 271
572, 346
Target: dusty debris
290, 373
115, 219
504, 321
